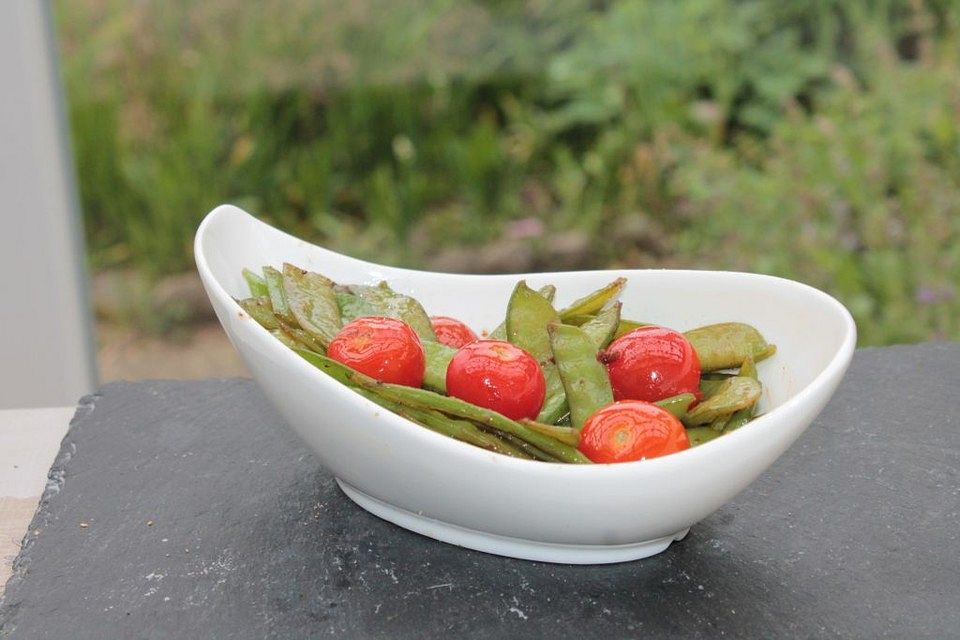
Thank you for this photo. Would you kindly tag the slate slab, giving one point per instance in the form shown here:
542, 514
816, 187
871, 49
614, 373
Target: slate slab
187, 510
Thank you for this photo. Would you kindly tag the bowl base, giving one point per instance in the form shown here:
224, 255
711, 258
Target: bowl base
505, 545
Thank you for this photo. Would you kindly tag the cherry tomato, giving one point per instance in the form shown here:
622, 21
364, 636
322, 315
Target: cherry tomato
383, 348
652, 363
631, 430
499, 376
452, 332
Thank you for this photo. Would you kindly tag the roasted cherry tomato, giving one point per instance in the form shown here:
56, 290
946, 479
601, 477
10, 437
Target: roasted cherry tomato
383, 348
499, 376
651, 363
631, 430
452, 332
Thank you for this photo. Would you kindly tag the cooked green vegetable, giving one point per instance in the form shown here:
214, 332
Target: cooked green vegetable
438, 357
593, 302
585, 380
677, 405
742, 416
256, 284
278, 299
699, 435
312, 301
727, 345
602, 326
500, 332
732, 395
260, 310
391, 304
528, 314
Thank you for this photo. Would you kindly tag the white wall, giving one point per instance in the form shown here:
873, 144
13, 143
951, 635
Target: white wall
46, 347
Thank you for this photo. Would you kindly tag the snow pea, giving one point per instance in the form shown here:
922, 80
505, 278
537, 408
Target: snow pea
256, 284
548, 291
259, 309
727, 345
601, 327
677, 405
732, 395
584, 379
391, 304
626, 326
353, 307
528, 314
312, 302
438, 357
278, 299
741, 417
699, 435
594, 301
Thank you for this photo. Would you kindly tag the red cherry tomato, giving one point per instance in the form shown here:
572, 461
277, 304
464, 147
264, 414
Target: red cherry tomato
652, 363
383, 348
452, 332
499, 376
631, 430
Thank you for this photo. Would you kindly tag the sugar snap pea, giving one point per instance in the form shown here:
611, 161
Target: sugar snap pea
594, 301
256, 284
312, 302
732, 395
391, 304
528, 315
585, 381
727, 345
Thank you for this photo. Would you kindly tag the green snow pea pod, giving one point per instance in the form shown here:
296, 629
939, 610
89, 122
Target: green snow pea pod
699, 435
626, 326
353, 307
727, 345
438, 357
585, 380
259, 309
312, 302
749, 370
500, 333
256, 284
278, 299
391, 304
424, 399
732, 395
677, 405
594, 301
602, 326
528, 315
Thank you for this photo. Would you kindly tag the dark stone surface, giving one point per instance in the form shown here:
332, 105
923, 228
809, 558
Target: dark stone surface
853, 533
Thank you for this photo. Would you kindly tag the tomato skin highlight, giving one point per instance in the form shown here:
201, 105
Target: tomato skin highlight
383, 348
650, 364
631, 430
499, 376
452, 332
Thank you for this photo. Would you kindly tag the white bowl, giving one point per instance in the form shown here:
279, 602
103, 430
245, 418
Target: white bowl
583, 514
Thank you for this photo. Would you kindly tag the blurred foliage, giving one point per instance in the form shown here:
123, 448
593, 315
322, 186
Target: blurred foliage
814, 139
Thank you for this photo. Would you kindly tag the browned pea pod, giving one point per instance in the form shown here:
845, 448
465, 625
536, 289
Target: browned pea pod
428, 400
312, 302
727, 345
585, 380
732, 395
594, 301
528, 314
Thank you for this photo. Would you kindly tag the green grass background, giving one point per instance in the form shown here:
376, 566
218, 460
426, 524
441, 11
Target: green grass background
817, 139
